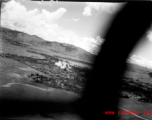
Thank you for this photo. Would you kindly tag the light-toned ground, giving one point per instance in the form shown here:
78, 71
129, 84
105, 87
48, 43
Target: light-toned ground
134, 105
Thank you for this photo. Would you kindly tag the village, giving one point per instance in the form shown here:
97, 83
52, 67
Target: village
61, 74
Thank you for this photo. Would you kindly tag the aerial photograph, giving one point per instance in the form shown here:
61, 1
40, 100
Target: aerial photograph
47, 49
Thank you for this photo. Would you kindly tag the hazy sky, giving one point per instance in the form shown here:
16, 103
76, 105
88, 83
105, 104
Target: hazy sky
77, 23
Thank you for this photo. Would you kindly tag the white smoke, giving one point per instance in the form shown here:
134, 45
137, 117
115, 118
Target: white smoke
62, 65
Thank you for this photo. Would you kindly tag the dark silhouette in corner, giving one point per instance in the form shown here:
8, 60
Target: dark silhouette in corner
101, 92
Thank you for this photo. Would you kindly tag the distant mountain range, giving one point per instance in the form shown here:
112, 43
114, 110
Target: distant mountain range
37, 42
140, 61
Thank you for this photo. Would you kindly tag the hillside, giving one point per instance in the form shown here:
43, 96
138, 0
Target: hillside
141, 73
35, 42
41, 55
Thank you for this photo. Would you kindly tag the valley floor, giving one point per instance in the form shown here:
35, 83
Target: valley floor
53, 76
24, 76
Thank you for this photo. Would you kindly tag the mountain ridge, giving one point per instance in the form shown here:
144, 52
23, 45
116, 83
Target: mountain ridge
63, 48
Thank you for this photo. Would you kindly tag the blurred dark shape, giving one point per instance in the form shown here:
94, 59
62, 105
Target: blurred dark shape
150, 74
2, 2
101, 92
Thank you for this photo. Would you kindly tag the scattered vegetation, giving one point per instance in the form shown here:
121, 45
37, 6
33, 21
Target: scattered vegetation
73, 80
136, 89
74, 85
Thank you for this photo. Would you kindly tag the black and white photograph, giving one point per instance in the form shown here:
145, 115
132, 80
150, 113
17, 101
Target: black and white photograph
51, 56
